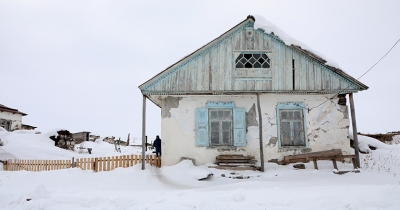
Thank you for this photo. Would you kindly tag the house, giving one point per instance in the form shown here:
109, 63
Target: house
251, 92
10, 119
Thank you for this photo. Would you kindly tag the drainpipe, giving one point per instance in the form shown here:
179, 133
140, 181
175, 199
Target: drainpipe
260, 132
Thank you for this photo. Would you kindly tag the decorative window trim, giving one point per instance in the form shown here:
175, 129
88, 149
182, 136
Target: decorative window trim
219, 104
291, 106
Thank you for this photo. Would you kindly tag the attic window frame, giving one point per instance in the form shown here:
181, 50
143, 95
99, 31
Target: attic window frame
261, 53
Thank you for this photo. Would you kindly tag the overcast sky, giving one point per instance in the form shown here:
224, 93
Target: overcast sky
78, 64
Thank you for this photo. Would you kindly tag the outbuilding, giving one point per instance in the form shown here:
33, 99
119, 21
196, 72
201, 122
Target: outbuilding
253, 90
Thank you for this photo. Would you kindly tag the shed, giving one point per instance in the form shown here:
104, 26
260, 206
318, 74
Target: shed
249, 92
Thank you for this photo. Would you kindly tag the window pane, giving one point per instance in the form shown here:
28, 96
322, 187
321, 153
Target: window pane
227, 115
239, 57
226, 137
226, 125
214, 126
257, 65
248, 65
243, 60
239, 65
290, 115
214, 114
252, 60
298, 134
220, 114
284, 115
215, 137
285, 133
265, 65
297, 115
264, 56
247, 56
256, 56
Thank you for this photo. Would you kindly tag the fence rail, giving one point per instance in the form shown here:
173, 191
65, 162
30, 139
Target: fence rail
95, 164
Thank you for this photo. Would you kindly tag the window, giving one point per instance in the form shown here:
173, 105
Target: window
292, 133
220, 124
291, 125
6, 124
252, 60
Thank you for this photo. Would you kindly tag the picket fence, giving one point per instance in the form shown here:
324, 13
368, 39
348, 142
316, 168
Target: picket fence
95, 164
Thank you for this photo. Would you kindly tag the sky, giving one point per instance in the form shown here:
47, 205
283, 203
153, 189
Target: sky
78, 64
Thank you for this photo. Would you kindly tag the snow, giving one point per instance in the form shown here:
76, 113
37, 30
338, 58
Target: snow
269, 27
178, 187
364, 142
31, 146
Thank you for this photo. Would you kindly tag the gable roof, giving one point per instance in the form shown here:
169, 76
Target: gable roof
146, 87
8, 109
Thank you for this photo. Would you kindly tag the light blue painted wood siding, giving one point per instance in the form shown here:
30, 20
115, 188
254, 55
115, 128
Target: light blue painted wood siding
202, 127
213, 69
239, 125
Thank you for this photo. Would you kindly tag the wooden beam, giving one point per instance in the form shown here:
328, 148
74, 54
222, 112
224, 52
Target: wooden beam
327, 153
354, 124
233, 168
143, 132
260, 133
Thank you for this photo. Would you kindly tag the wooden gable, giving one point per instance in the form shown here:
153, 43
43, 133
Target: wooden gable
212, 69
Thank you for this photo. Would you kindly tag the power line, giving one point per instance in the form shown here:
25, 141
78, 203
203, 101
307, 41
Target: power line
379, 59
360, 76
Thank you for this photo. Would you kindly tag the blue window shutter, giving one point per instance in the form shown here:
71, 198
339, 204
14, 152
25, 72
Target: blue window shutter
202, 127
239, 127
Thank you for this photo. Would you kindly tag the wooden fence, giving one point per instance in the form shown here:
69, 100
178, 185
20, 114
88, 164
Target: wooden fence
95, 164
36, 165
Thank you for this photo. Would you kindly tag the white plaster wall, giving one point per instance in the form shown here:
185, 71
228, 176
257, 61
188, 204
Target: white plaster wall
16, 119
327, 127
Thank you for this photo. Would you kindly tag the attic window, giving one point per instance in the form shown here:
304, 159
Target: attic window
252, 60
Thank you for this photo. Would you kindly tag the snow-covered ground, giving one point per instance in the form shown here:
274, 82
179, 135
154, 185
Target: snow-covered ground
377, 186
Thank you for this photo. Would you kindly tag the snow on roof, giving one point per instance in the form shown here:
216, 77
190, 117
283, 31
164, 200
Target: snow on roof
269, 28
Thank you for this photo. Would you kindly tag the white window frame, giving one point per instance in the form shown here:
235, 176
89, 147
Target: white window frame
220, 125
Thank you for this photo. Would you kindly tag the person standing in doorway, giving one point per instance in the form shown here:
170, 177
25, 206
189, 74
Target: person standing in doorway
157, 145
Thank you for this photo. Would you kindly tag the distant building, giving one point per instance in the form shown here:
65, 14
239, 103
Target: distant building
11, 119
27, 127
81, 137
